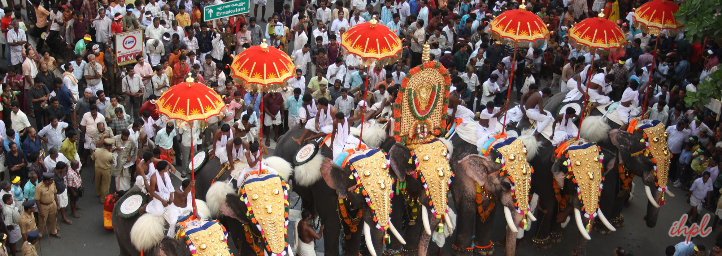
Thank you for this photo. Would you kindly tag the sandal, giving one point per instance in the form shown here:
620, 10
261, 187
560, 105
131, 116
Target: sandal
66, 221
76, 215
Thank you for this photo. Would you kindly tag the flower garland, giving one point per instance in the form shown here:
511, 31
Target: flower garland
405, 84
484, 212
570, 175
414, 103
625, 177
351, 222
249, 239
412, 203
562, 199
258, 225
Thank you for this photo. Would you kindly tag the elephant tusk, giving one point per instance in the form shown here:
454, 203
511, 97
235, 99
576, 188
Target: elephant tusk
605, 221
425, 220
531, 216
580, 225
290, 251
449, 225
367, 236
510, 220
648, 191
396, 233
669, 193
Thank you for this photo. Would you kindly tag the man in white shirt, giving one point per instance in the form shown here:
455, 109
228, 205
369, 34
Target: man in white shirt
54, 132
218, 46
356, 19
132, 86
339, 23
323, 14
16, 39
155, 50
358, 5
19, 121
156, 30
191, 41
424, 12
700, 190
489, 90
153, 7
404, 10
658, 112
336, 71
102, 26
302, 58
322, 32
159, 81
298, 81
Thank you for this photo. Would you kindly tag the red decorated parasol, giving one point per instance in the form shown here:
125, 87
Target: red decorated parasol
593, 34
517, 26
263, 68
190, 101
374, 43
654, 17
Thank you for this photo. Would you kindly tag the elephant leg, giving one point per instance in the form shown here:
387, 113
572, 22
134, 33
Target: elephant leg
353, 241
464, 200
482, 239
546, 218
412, 235
581, 246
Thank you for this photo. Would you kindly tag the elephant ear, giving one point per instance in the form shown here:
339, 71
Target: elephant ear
170, 246
559, 172
626, 143
399, 157
480, 166
335, 177
235, 208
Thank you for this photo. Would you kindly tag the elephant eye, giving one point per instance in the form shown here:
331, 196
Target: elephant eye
506, 185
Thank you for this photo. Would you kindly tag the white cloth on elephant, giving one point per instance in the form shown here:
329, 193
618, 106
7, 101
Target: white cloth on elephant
626, 113
242, 163
484, 133
325, 122
564, 131
343, 139
573, 93
514, 115
63, 199
542, 118
173, 213
462, 112
221, 147
165, 188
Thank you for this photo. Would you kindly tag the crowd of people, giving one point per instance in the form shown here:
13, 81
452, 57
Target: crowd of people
62, 72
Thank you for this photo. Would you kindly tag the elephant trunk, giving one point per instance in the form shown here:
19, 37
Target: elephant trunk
650, 197
580, 224
653, 209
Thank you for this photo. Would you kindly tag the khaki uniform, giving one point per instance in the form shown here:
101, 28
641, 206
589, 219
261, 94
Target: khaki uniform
27, 223
29, 249
45, 198
103, 162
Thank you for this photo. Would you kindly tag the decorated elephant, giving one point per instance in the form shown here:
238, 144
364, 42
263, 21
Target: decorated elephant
146, 232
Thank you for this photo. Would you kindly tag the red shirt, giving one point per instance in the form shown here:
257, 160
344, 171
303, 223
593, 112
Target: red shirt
117, 27
696, 52
5, 24
152, 108
273, 101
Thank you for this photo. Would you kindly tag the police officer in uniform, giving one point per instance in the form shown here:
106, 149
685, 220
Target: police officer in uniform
104, 160
29, 247
46, 196
27, 221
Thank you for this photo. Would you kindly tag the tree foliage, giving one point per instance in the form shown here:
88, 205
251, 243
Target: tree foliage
707, 90
701, 19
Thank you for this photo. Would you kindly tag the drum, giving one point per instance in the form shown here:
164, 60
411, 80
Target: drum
129, 205
306, 153
198, 160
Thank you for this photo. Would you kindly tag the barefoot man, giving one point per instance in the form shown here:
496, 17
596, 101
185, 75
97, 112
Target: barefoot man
306, 235
533, 107
182, 205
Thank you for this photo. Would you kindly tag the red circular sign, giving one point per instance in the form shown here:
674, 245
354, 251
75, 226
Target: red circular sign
129, 42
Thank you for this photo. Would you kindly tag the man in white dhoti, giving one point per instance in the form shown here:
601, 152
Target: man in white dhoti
628, 105
575, 90
486, 127
247, 126
126, 152
182, 205
220, 141
305, 235
322, 124
341, 138
160, 190
533, 107
566, 128
236, 153
308, 109
254, 155
599, 87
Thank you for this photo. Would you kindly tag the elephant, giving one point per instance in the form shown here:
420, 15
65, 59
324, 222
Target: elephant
314, 183
157, 243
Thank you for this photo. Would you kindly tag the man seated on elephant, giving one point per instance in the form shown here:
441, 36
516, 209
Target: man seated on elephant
182, 204
220, 140
247, 126
308, 109
322, 124
486, 127
627, 108
566, 128
599, 88
236, 151
341, 138
382, 111
253, 156
533, 107
160, 190
458, 112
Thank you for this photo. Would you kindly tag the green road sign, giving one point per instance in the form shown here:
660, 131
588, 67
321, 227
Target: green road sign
223, 10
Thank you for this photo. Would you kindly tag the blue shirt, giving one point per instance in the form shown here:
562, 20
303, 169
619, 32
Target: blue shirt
165, 140
414, 6
17, 193
293, 104
256, 105
65, 99
686, 157
30, 146
355, 79
29, 191
681, 71
6, 143
396, 28
78, 69
387, 15
466, 94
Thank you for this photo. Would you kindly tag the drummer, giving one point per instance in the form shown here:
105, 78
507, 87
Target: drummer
253, 156
220, 141
125, 150
235, 151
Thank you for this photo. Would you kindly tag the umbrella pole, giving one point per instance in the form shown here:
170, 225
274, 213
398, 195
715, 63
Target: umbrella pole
651, 69
363, 111
511, 82
260, 135
586, 94
193, 173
